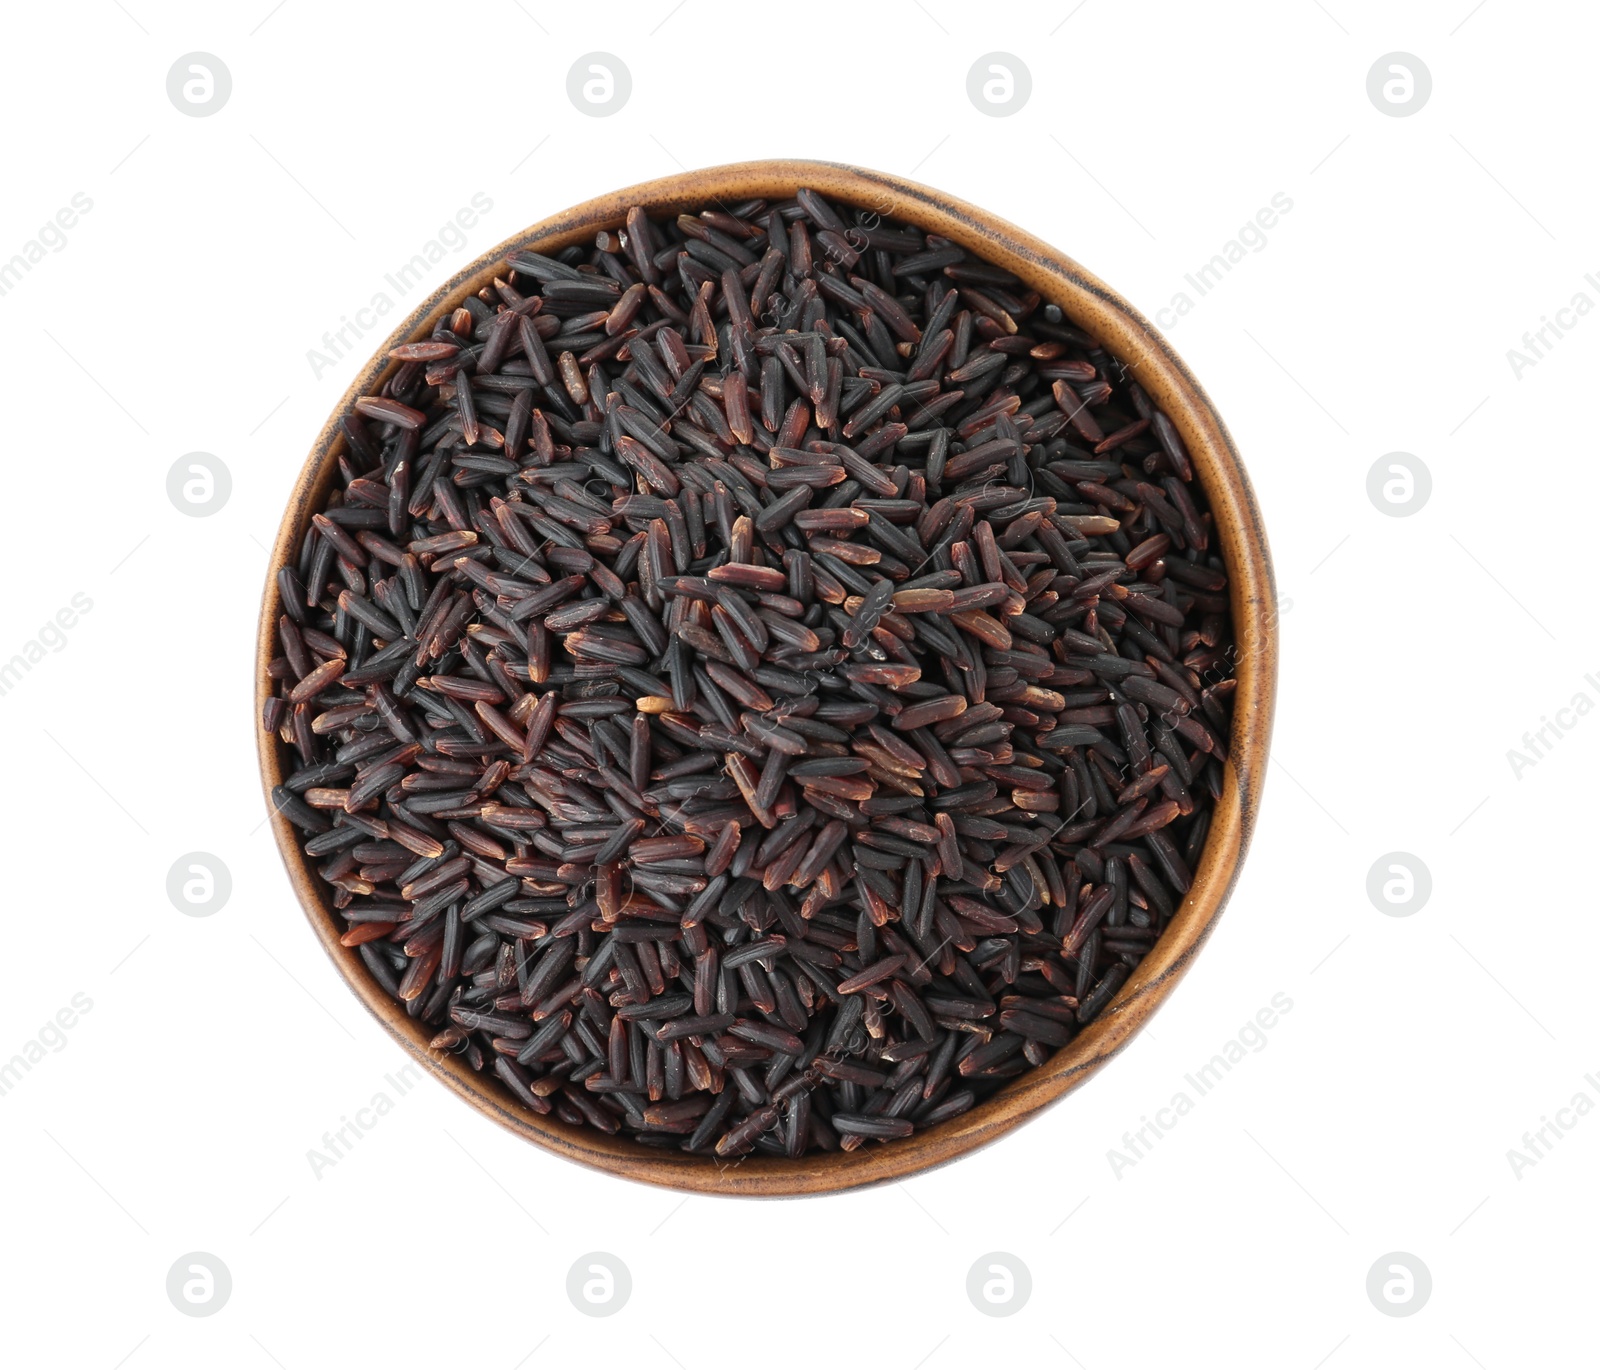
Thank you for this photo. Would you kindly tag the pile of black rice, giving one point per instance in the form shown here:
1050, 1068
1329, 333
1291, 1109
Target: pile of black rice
759, 682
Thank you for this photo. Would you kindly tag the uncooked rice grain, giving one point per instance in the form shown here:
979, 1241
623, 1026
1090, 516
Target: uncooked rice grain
760, 681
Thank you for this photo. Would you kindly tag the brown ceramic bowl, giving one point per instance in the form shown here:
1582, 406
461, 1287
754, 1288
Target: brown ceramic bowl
1097, 310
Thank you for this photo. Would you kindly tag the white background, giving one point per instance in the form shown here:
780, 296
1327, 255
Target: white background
1416, 651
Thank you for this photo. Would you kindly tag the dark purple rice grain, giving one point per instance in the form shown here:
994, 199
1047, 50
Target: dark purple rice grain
760, 682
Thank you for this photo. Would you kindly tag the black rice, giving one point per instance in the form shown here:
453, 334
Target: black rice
759, 682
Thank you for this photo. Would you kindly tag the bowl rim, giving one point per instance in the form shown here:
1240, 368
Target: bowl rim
1095, 308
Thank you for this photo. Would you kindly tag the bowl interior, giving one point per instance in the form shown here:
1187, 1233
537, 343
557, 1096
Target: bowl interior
1091, 306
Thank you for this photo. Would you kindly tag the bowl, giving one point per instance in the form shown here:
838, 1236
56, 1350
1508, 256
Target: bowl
1091, 306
